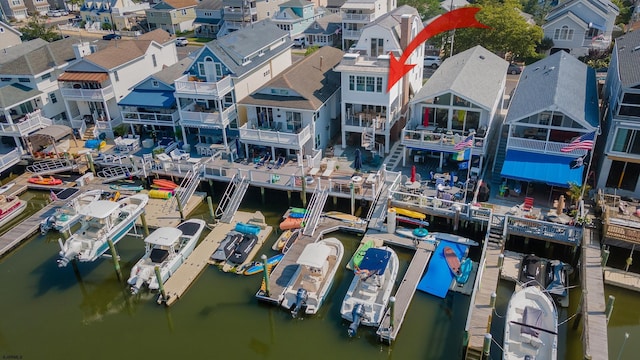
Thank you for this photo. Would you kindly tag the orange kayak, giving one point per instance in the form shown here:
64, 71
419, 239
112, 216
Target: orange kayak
44, 180
291, 223
165, 184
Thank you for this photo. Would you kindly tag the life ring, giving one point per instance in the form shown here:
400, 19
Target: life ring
356, 178
420, 232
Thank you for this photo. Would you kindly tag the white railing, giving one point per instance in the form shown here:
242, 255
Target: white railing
539, 146
346, 17
362, 120
88, 94
351, 34
9, 159
219, 88
149, 118
214, 119
424, 139
32, 121
276, 137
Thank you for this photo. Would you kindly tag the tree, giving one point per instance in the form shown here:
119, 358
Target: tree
74, 4
36, 28
575, 192
509, 32
426, 8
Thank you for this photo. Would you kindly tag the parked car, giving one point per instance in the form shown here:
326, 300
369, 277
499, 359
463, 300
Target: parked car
299, 42
111, 36
182, 41
63, 12
514, 69
432, 61
53, 13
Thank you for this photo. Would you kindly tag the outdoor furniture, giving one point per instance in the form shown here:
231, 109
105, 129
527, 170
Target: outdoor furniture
527, 205
314, 171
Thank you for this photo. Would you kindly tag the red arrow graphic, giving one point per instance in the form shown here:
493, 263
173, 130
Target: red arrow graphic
456, 19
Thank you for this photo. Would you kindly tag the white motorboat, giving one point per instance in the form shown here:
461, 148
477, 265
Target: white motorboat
10, 207
531, 328
166, 248
68, 215
369, 292
4, 188
101, 221
312, 280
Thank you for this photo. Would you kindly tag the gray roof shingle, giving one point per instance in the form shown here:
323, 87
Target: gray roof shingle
628, 51
38, 57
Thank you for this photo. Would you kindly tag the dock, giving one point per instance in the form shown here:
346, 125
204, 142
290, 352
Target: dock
594, 334
620, 278
387, 331
159, 215
188, 272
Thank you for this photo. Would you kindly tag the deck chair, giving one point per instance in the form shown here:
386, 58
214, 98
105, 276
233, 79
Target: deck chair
527, 205
279, 163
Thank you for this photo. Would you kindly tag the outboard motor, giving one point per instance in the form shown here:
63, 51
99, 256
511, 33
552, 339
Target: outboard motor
46, 225
301, 300
357, 314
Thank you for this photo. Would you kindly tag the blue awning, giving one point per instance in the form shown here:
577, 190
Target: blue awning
549, 169
597, 26
148, 98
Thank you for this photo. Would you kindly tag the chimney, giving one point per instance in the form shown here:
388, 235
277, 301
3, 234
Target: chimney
81, 50
405, 39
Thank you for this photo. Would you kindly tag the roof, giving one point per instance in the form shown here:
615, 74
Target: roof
55, 132
544, 85
203, 20
83, 76
550, 169
179, 4
210, 5
295, 3
99, 209
36, 57
456, 4
149, 98
314, 255
627, 49
393, 19
158, 35
10, 28
119, 54
313, 83
476, 74
602, 5
171, 73
327, 24
164, 236
359, 4
14, 94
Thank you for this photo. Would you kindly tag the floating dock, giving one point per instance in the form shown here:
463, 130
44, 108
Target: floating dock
621, 278
594, 334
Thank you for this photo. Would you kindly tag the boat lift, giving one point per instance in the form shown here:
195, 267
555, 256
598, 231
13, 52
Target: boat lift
232, 198
314, 210
53, 166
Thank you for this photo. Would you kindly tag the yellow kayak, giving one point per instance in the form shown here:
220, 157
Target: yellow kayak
410, 213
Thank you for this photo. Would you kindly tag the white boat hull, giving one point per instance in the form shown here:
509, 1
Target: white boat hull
13, 213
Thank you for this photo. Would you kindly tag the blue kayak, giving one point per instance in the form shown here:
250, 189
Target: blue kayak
465, 268
258, 266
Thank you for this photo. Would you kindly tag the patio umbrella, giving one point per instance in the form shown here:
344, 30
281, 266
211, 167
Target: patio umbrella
357, 163
238, 147
413, 173
561, 205
425, 117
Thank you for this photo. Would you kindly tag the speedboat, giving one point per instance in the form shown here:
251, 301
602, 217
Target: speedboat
531, 327
313, 277
166, 249
68, 215
4, 188
101, 221
533, 270
10, 207
369, 292
227, 246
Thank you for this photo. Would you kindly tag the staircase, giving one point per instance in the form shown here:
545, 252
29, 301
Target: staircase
232, 198
497, 230
501, 152
115, 173
378, 210
186, 189
48, 167
314, 210
473, 354
368, 140
89, 132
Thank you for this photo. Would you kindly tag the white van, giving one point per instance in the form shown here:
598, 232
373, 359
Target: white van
300, 42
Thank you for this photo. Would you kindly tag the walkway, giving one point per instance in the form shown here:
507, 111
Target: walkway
594, 333
621, 278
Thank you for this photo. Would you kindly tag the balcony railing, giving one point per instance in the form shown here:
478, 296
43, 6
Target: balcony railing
351, 34
539, 146
9, 159
88, 94
272, 137
189, 85
147, 118
429, 140
213, 120
29, 123
365, 18
366, 121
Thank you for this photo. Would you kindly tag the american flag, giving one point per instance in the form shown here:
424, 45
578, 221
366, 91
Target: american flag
584, 142
468, 142
53, 196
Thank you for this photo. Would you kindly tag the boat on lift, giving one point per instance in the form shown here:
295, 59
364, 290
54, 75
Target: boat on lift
10, 208
68, 215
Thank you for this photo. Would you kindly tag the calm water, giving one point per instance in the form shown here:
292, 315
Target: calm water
52, 313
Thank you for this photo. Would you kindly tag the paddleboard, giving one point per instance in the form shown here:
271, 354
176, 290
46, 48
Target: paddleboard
410, 213
411, 221
452, 260
167, 184
258, 266
357, 257
344, 217
455, 239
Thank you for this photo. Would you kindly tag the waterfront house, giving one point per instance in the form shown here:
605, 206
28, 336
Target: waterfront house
371, 116
356, 14
172, 15
9, 36
619, 168
577, 26
296, 113
223, 72
295, 16
209, 15
14, 9
324, 31
463, 98
116, 14
241, 13
92, 87
151, 102
555, 102
39, 7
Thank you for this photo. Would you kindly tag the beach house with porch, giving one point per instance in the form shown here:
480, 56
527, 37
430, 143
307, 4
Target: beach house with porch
295, 16
620, 163
296, 113
356, 14
460, 101
223, 72
92, 86
555, 102
371, 116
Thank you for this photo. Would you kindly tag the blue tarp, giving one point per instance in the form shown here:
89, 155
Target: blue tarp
148, 98
549, 169
375, 260
438, 277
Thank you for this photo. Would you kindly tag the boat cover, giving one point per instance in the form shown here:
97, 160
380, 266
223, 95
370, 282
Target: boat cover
189, 228
531, 316
99, 209
158, 255
314, 255
164, 236
375, 260
438, 277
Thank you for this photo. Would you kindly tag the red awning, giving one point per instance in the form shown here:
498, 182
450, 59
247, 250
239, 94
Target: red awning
83, 76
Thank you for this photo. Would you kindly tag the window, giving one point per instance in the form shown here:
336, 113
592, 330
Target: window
564, 33
153, 59
294, 120
1, 29
155, 83
627, 141
377, 47
201, 69
184, 11
365, 83
24, 80
115, 75
53, 98
5, 79
623, 175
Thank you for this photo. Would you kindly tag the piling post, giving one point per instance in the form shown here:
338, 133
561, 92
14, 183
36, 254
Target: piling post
90, 162
163, 294
180, 210
265, 273
609, 308
604, 257
211, 186
392, 310
210, 205
456, 218
145, 227
262, 194
335, 200
288, 197
114, 255
576, 322
303, 194
486, 346
492, 301
353, 198
500, 261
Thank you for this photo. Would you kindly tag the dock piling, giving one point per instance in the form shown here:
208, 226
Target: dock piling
392, 308
500, 261
303, 194
492, 301
262, 194
210, 204
180, 209
605, 257
576, 322
116, 263
163, 294
609, 309
145, 227
265, 272
353, 198
486, 346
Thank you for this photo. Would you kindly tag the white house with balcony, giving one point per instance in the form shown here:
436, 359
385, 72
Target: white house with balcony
576, 26
225, 71
242, 13
29, 94
152, 103
324, 31
208, 19
619, 166
92, 87
119, 14
296, 15
371, 116
556, 100
463, 97
356, 14
296, 113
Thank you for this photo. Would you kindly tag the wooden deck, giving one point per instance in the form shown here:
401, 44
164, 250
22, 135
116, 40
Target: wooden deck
189, 271
621, 278
405, 292
159, 215
594, 335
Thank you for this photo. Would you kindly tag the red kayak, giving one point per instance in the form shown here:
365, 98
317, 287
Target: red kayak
291, 223
452, 260
165, 184
50, 180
